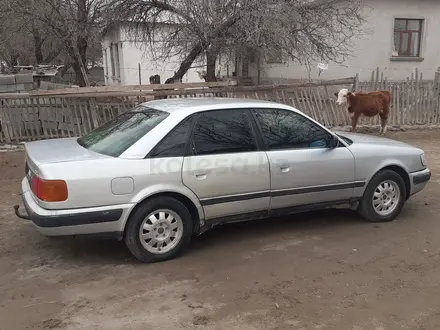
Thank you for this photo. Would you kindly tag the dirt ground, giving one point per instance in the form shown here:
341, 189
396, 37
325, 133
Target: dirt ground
322, 270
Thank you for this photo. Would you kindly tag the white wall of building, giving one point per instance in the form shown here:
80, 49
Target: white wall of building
133, 54
375, 50
371, 51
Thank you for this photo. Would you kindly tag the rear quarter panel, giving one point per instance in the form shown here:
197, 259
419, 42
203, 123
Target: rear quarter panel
90, 182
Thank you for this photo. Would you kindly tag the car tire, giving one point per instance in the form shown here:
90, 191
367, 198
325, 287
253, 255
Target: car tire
383, 198
167, 228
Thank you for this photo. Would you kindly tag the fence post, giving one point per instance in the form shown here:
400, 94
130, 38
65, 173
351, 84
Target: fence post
376, 83
4, 125
436, 95
355, 83
416, 97
93, 111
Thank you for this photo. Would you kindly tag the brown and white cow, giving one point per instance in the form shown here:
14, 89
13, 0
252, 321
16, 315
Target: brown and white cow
367, 104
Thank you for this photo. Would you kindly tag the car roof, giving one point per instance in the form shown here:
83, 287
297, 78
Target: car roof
197, 104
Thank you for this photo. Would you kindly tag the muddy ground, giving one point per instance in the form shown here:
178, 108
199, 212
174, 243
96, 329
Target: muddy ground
324, 270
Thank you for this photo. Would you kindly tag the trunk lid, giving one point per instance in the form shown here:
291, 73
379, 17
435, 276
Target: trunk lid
58, 151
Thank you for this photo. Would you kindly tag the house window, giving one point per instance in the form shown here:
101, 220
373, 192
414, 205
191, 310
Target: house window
407, 37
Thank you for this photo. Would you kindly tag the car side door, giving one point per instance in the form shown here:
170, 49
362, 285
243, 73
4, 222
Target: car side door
304, 169
225, 167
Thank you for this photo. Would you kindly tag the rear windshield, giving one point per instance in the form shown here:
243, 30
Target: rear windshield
120, 133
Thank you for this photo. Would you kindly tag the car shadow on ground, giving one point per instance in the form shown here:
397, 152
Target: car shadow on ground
89, 251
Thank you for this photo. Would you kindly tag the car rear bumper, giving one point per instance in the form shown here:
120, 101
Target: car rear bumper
419, 180
107, 221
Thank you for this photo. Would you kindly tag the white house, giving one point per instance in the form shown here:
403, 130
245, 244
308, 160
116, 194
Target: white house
129, 62
404, 37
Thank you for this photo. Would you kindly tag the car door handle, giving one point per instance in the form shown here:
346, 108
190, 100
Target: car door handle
201, 175
284, 168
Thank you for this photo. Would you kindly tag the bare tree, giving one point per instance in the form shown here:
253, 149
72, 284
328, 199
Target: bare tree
184, 28
301, 30
73, 24
32, 44
14, 44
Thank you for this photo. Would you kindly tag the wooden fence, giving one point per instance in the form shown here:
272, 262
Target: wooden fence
416, 101
76, 111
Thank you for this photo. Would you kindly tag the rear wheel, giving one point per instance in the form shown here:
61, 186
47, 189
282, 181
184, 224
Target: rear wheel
159, 230
384, 197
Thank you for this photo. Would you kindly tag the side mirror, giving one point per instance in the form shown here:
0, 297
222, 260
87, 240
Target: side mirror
333, 141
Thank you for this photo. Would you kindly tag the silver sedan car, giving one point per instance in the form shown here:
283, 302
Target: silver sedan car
170, 169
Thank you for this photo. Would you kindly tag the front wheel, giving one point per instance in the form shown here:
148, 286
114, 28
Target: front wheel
159, 230
384, 197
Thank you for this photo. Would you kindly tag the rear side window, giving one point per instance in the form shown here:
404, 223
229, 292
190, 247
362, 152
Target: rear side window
173, 145
120, 133
223, 131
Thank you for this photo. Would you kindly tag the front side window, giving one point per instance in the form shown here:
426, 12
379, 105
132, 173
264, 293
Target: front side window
284, 129
120, 133
223, 131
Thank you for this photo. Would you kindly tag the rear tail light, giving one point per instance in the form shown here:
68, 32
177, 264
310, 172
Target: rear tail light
49, 190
